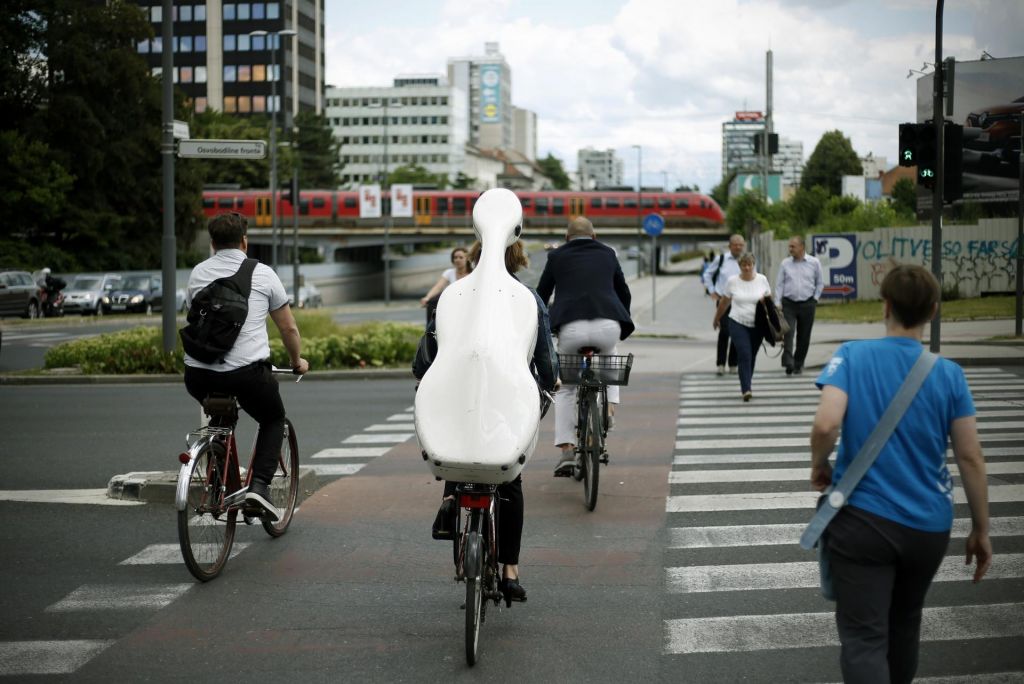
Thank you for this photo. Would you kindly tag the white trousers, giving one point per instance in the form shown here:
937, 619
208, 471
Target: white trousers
602, 333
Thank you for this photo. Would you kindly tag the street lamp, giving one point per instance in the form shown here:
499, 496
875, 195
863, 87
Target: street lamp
384, 103
639, 216
274, 45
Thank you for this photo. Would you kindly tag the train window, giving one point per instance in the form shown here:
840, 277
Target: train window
318, 202
442, 205
526, 201
350, 202
595, 203
611, 203
702, 205
647, 202
226, 203
664, 203
542, 205
459, 206
629, 203
303, 206
682, 203
208, 203
558, 206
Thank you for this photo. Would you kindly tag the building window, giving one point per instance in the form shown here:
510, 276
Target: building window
243, 11
259, 42
244, 75
259, 72
185, 74
229, 42
230, 75
243, 42
200, 105
273, 10
229, 12
184, 13
200, 74
199, 13
156, 13
259, 103
185, 44
143, 46
244, 105
230, 104
199, 43
158, 45
258, 10
174, 75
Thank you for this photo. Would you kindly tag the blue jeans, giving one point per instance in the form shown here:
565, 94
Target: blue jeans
747, 342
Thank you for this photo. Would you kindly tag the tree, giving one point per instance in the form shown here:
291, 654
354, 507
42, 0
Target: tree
246, 173
551, 166
833, 158
807, 206
417, 175
317, 151
464, 182
904, 196
720, 193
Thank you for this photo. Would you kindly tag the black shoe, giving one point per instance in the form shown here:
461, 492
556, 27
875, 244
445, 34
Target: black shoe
512, 590
798, 371
444, 521
789, 370
259, 494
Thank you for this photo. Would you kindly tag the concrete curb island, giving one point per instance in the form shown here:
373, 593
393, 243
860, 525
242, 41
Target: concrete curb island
159, 486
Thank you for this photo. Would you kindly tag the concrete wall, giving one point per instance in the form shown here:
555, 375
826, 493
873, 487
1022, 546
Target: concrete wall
977, 259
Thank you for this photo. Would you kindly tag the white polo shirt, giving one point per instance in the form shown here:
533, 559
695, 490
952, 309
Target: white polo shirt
267, 295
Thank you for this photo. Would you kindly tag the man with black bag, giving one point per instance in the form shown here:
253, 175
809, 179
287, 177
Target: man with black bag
227, 350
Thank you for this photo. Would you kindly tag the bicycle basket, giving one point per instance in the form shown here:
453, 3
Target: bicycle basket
608, 369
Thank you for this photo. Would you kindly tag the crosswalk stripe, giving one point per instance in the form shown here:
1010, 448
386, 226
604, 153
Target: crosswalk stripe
48, 657
400, 417
337, 468
162, 554
734, 405
756, 426
119, 597
704, 444
388, 427
808, 630
352, 452
708, 413
783, 534
699, 579
791, 474
752, 501
391, 438
801, 456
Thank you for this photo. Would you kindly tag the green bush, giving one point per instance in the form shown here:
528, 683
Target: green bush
127, 352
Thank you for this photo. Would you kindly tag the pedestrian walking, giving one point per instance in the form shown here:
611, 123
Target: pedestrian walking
887, 542
798, 288
715, 278
738, 305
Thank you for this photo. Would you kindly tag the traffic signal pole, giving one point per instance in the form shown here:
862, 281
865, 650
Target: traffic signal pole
168, 249
939, 162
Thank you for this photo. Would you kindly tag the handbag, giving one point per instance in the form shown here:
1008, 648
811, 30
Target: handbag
836, 496
774, 325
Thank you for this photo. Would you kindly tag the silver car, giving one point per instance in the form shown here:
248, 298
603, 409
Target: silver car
309, 297
86, 291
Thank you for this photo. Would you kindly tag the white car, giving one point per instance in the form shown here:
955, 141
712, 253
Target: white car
309, 297
85, 293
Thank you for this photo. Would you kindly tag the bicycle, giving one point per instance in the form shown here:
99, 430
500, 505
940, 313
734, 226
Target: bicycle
476, 560
592, 373
211, 491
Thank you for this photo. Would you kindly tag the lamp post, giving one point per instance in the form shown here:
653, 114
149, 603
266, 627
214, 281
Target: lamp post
274, 45
639, 209
384, 104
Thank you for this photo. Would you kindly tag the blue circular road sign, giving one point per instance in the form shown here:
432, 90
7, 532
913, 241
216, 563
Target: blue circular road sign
654, 224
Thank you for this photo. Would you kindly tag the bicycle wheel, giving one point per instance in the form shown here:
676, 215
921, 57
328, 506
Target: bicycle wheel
205, 530
474, 592
582, 404
591, 456
284, 488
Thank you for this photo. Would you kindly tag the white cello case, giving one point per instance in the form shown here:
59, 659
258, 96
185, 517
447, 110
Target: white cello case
477, 409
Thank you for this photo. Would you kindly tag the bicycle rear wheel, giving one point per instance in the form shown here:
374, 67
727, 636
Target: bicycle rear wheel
582, 409
284, 488
472, 565
205, 530
591, 455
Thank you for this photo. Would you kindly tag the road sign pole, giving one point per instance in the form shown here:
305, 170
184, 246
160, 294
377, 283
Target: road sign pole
654, 278
168, 250
938, 120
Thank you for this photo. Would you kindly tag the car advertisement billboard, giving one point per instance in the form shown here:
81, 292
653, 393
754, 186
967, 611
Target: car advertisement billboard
988, 100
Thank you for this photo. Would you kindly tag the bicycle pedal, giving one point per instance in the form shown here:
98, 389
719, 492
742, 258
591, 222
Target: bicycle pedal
604, 458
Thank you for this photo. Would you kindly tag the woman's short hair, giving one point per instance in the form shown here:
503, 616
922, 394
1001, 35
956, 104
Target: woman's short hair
227, 230
913, 292
746, 258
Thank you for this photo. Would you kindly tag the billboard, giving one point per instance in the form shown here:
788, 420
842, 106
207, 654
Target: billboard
746, 182
838, 257
490, 93
988, 100
369, 201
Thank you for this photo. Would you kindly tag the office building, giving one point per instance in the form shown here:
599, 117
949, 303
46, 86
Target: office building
487, 80
524, 132
598, 168
738, 149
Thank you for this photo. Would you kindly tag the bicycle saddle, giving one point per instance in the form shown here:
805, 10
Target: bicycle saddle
476, 410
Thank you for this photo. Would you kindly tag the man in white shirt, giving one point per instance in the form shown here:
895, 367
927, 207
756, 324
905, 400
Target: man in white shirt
798, 288
715, 277
244, 372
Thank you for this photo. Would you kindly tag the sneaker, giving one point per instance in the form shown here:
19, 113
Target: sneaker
721, 370
566, 463
789, 370
259, 494
798, 371
747, 396
733, 370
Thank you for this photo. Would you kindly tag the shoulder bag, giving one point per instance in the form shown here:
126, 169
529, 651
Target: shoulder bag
836, 496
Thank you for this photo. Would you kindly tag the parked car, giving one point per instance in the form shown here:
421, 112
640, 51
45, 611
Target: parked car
19, 294
309, 297
136, 294
179, 301
85, 293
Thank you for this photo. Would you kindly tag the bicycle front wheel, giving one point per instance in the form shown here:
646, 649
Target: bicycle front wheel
591, 456
474, 595
284, 488
206, 530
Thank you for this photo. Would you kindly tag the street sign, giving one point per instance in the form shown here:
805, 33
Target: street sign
654, 224
838, 256
180, 130
222, 149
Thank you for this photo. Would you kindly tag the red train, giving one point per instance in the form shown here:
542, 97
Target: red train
454, 208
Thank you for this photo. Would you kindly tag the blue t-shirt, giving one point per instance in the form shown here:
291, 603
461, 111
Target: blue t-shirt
909, 483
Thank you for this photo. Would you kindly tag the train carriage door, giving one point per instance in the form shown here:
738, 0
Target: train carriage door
422, 210
576, 207
263, 212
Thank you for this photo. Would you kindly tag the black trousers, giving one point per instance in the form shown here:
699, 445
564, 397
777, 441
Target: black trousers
881, 571
510, 510
800, 316
259, 396
725, 350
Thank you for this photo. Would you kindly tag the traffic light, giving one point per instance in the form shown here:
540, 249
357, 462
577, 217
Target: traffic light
926, 157
908, 144
952, 162
917, 148
773, 143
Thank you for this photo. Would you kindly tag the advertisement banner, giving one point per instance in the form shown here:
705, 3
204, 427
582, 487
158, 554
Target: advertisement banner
369, 201
401, 201
838, 256
490, 93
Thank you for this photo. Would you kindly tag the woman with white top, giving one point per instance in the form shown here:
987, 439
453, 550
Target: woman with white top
743, 292
460, 269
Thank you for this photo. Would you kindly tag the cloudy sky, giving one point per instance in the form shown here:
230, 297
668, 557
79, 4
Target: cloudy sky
665, 74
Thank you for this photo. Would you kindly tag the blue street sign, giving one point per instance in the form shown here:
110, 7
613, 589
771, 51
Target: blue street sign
654, 224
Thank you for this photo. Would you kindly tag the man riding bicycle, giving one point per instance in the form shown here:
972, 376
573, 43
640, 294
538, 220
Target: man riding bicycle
244, 371
591, 309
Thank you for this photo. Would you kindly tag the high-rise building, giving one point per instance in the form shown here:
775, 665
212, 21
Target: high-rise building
598, 168
222, 54
488, 82
738, 149
524, 132
418, 121
789, 161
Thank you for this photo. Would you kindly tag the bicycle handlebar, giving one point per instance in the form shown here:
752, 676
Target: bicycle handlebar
286, 371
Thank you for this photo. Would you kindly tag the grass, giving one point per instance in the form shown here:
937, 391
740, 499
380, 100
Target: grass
954, 310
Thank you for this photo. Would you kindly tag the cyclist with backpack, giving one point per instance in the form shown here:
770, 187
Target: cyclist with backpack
227, 350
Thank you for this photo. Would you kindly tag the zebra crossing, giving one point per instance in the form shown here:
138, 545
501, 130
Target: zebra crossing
742, 597
357, 450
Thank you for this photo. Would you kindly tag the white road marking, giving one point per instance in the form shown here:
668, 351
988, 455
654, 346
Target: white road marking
388, 427
801, 456
709, 412
119, 597
699, 579
808, 630
797, 441
399, 417
337, 468
65, 496
390, 438
771, 417
352, 452
782, 534
165, 554
48, 657
733, 404
791, 474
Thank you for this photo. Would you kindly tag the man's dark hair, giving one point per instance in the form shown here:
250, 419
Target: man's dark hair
227, 230
913, 292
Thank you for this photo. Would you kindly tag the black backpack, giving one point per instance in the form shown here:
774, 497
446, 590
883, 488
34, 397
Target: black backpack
217, 314
714, 276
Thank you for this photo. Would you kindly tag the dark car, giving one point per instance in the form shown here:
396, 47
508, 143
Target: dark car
19, 294
135, 294
998, 130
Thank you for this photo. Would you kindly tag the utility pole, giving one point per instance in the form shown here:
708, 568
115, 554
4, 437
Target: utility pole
766, 157
639, 209
168, 251
939, 122
1020, 233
